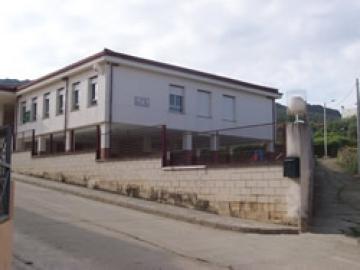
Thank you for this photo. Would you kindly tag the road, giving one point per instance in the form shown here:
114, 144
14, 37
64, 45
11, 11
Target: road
54, 230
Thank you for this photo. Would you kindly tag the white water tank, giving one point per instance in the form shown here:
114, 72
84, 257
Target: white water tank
296, 106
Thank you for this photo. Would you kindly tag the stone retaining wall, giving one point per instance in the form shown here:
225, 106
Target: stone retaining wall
256, 192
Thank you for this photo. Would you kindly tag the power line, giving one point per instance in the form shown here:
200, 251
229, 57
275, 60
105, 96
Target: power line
345, 97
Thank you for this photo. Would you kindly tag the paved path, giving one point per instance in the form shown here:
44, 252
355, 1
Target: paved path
54, 230
337, 200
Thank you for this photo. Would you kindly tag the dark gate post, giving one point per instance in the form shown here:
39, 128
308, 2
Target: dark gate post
164, 145
14, 135
72, 141
51, 143
98, 142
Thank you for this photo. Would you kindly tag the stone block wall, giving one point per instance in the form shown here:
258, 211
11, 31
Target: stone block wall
254, 192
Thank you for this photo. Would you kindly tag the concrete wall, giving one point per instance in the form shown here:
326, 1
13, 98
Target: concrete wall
259, 192
134, 82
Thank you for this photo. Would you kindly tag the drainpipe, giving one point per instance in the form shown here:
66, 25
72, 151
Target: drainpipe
66, 79
15, 130
111, 104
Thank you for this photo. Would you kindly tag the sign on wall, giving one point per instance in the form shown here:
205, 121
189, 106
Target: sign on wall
142, 101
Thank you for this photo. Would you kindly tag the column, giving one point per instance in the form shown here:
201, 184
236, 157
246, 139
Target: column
41, 145
187, 147
299, 144
214, 147
69, 141
1, 115
147, 145
270, 147
231, 153
104, 141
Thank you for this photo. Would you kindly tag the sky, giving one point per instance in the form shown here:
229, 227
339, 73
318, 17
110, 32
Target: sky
308, 47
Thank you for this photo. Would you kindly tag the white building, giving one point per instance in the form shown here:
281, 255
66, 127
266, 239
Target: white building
94, 100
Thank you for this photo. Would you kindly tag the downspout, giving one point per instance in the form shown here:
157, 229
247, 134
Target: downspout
66, 79
274, 121
15, 129
111, 103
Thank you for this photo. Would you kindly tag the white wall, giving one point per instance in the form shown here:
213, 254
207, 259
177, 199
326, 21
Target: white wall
83, 117
129, 82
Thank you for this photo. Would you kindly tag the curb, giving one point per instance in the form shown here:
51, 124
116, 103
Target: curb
152, 210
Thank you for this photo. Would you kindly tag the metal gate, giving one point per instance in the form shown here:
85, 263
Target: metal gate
5, 171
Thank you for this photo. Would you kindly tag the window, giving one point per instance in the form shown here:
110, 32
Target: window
60, 101
23, 113
33, 109
228, 108
93, 91
46, 105
75, 96
204, 103
176, 99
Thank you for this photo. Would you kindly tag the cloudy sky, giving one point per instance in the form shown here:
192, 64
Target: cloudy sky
311, 46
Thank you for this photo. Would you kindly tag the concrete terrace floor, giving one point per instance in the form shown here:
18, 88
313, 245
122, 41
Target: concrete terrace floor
54, 230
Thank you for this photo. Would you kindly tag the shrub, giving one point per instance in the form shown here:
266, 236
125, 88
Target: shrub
347, 158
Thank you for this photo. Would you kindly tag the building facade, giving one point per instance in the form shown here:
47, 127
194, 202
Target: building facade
117, 92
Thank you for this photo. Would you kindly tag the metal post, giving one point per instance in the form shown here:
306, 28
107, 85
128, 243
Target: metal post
358, 122
325, 133
98, 142
72, 141
51, 143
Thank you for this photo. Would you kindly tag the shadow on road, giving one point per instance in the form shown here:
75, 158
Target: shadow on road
336, 200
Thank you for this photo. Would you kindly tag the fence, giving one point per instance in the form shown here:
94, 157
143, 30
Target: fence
80, 140
240, 145
5, 170
236, 145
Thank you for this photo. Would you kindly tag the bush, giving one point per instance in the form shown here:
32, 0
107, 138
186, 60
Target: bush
347, 158
335, 142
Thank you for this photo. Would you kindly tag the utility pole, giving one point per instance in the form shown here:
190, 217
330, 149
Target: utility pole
358, 122
325, 132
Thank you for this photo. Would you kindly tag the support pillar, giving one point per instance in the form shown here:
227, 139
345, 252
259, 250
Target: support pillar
2, 115
33, 144
147, 145
41, 145
51, 143
231, 153
214, 147
69, 141
299, 144
270, 147
164, 150
104, 130
187, 145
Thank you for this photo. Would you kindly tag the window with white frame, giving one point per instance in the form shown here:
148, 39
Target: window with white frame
75, 92
60, 101
228, 107
93, 91
204, 103
46, 105
176, 99
33, 109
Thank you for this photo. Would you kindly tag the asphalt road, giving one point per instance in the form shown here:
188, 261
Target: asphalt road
54, 230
